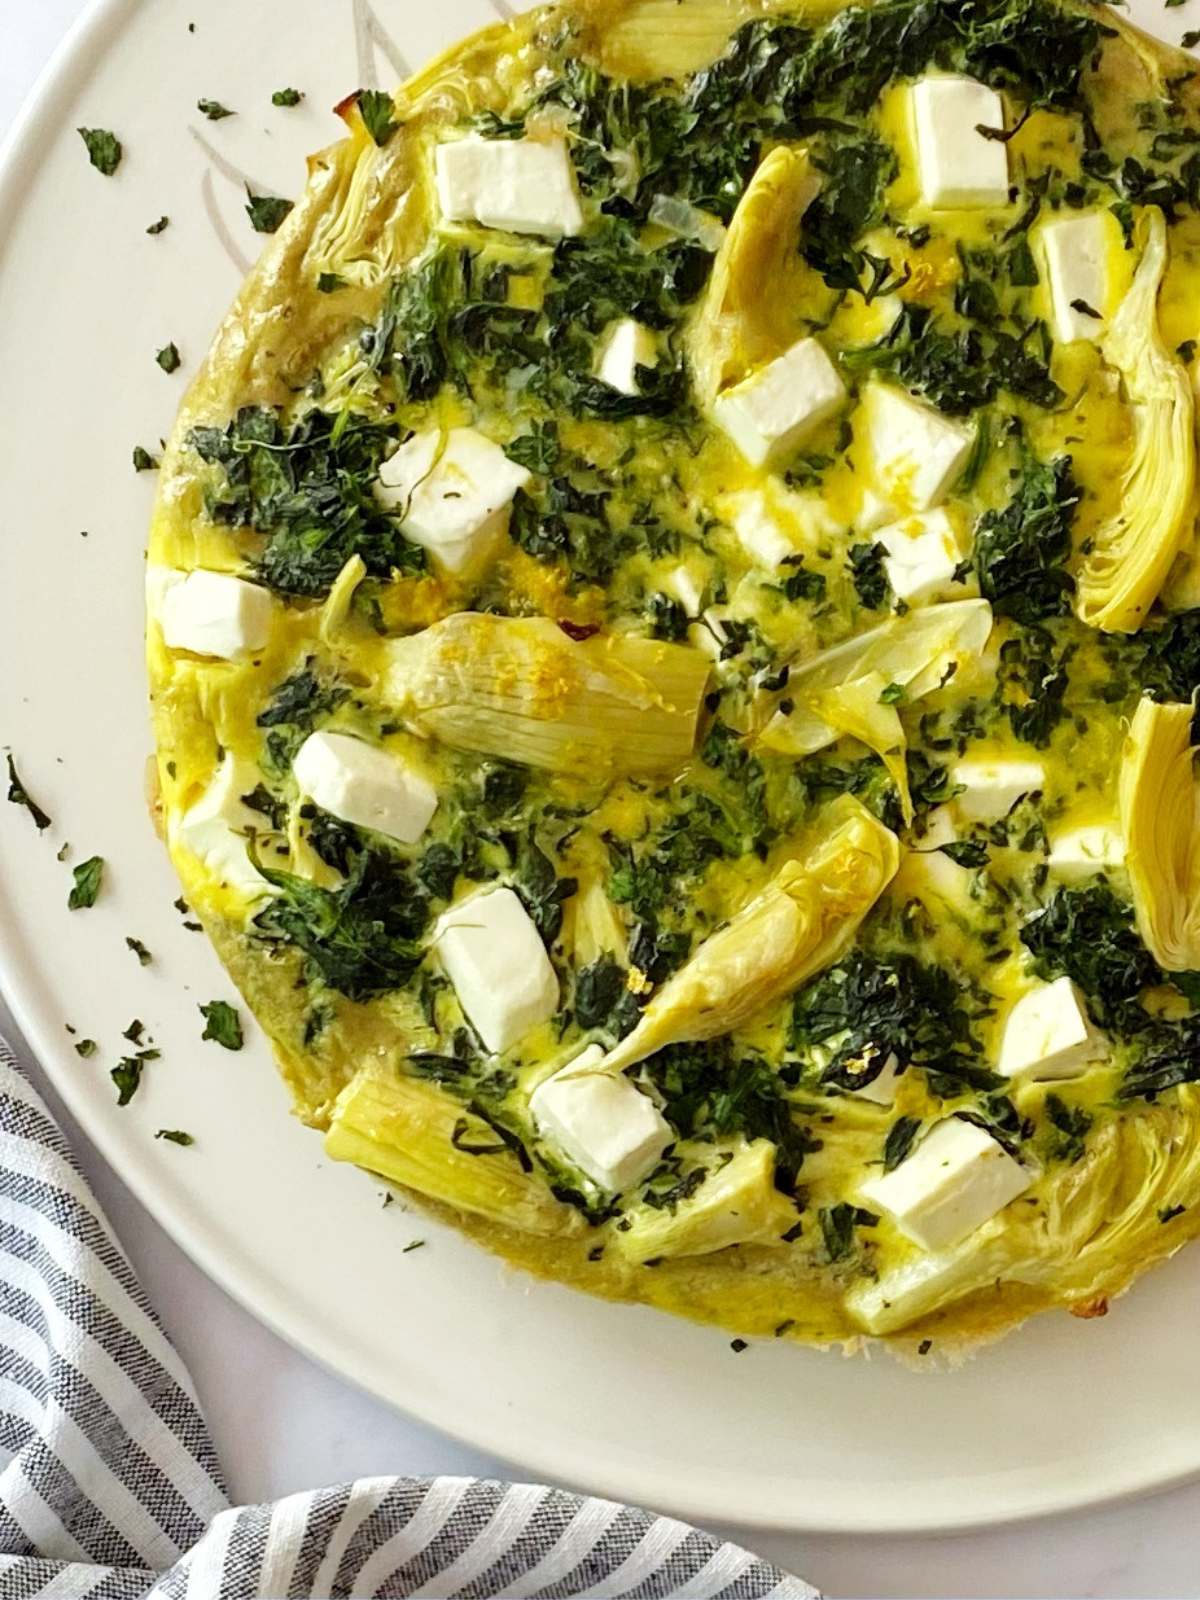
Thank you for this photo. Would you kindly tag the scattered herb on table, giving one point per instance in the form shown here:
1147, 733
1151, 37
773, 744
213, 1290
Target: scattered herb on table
143, 461
168, 358
19, 795
127, 1075
160, 226
103, 148
88, 877
287, 97
222, 1023
139, 950
175, 1136
214, 110
86, 1047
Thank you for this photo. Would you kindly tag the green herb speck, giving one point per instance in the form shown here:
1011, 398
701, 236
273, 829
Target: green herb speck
88, 877
221, 1023
103, 148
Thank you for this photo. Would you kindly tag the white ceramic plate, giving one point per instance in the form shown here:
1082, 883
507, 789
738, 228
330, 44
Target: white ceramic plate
621, 1400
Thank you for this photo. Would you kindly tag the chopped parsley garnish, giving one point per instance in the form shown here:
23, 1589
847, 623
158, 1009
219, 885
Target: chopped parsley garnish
214, 110
375, 107
287, 97
86, 1047
127, 1075
330, 283
160, 226
88, 877
139, 950
175, 1136
222, 1023
19, 795
143, 461
168, 358
103, 148
266, 212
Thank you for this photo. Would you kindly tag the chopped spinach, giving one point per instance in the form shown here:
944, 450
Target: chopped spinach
362, 938
310, 490
1089, 934
1021, 550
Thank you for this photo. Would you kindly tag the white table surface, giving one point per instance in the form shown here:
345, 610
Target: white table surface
282, 1423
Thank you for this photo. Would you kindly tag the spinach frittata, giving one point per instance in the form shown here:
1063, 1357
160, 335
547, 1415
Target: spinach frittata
673, 635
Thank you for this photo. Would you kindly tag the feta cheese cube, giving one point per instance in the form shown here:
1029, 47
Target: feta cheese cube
216, 827
1079, 853
1049, 1035
601, 1122
364, 785
493, 954
915, 453
923, 554
453, 492
953, 1182
990, 789
523, 185
759, 532
625, 345
216, 614
881, 1091
1076, 251
956, 164
768, 413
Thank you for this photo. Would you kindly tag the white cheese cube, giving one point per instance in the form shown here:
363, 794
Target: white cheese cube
952, 1183
915, 453
759, 532
364, 785
216, 827
1076, 251
216, 614
768, 413
493, 954
1079, 853
625, 345
605, 1126
881, 1090
956, 164
923, 554
1049, 1035
990, 789
453, 492
523, 185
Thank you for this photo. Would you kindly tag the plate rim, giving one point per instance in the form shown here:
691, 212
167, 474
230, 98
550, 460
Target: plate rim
96, 29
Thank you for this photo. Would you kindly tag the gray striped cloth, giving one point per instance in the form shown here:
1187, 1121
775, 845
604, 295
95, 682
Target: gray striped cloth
110, 1488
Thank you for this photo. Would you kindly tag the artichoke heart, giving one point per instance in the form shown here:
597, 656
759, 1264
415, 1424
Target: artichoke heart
1160, 813
914, 651
521, 689
739, 327
1132, 552
735, 1202
804, 919
858, 708
416, 1134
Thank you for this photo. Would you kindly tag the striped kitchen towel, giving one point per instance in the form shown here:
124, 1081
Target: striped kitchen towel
110, 1488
